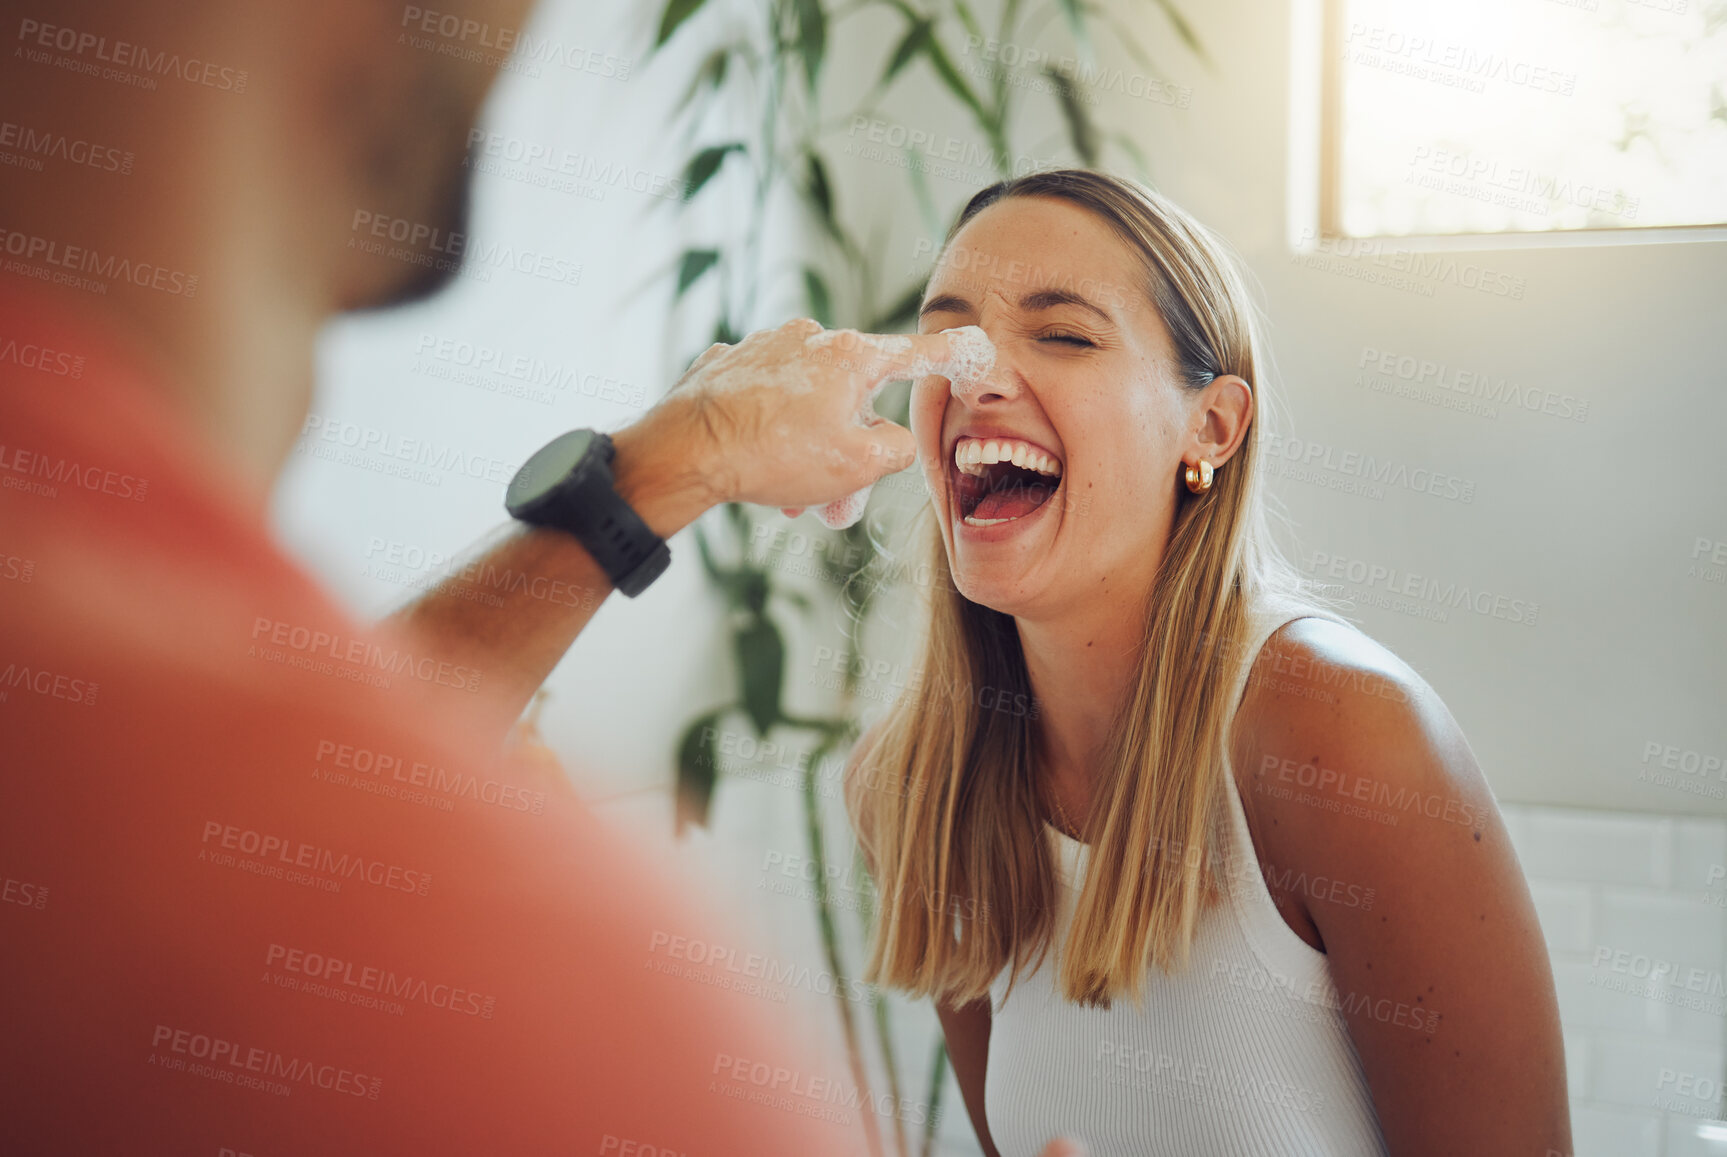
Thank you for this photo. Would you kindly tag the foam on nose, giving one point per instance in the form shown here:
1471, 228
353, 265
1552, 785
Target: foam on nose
971, 357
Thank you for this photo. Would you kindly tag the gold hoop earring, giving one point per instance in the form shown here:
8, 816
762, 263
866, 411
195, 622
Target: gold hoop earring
1199, 477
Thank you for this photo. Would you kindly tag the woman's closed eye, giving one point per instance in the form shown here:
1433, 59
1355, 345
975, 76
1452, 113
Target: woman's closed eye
1065, 338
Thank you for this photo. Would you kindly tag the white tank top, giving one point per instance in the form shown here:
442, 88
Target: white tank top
1243, 1054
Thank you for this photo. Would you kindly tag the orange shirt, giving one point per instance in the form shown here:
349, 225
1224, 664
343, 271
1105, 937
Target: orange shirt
258, 894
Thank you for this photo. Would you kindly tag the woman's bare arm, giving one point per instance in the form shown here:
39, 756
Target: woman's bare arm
1444, 981
967, 1031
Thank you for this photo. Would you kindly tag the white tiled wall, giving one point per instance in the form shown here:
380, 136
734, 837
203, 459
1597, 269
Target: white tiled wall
1634, 907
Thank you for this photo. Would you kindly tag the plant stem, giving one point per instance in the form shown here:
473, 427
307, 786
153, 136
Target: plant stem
937, 1082
830, 945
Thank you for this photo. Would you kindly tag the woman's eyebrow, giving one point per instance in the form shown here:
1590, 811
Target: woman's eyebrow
1050, 298
1032, 302
945, 303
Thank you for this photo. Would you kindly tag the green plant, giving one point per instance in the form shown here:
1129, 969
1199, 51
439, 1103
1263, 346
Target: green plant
779, 64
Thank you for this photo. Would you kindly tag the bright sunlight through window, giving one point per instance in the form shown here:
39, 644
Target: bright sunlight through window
1507, 116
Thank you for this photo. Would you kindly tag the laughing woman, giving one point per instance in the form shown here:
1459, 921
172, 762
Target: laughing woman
1231, 882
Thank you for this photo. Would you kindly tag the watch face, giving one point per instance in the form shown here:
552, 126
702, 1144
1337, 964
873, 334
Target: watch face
548, 467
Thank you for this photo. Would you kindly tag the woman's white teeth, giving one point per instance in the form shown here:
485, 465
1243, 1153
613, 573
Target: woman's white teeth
971, 455
973, 520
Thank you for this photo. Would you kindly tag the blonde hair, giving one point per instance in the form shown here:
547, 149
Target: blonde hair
944, 798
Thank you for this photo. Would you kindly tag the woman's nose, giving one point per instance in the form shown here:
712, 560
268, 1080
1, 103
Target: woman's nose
998, 384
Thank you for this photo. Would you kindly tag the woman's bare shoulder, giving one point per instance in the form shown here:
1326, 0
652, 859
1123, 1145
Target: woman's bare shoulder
1339, 740
1318, 668
1316, 679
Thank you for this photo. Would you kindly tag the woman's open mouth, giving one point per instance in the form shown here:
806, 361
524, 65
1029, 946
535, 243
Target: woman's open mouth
998, 480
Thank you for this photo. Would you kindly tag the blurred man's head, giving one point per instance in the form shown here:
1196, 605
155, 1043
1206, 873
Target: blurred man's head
285, 159
400, 100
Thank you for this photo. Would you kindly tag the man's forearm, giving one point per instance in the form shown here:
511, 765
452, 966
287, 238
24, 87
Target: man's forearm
772, 421
518, 603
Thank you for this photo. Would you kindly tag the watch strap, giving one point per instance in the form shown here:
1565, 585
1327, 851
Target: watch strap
624, 546
586, 505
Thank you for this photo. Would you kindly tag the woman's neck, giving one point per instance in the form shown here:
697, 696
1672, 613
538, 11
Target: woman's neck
1081, 666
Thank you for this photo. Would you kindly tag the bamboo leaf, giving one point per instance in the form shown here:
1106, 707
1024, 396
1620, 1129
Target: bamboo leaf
821, 302
1080, 131
880, 1009
939, 60
818, 189
677, 11
909, 46
1183, 29
1076, 24
753, 591
706, 553
967, 18
698, 769
739, 518
812, 38
761, 657
711, 75
704, 165
932, 1096
694, 263
1123, 34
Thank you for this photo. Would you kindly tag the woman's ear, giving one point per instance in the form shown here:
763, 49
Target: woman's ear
1221, 418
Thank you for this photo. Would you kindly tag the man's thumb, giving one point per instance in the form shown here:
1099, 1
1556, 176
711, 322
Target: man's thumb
1064, 1147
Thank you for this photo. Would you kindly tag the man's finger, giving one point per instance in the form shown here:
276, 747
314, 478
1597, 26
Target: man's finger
964, 354
886, 448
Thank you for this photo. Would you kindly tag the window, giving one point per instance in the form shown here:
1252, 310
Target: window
1445, 117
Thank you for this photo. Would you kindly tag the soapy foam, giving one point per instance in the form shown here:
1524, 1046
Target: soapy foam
971, 356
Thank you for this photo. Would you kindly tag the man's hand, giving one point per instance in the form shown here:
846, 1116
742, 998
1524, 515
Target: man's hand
781, 419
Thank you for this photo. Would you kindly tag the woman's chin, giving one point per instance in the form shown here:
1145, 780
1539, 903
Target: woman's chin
1001, 584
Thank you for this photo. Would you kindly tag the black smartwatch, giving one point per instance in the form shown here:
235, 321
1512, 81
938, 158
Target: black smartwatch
567, 485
